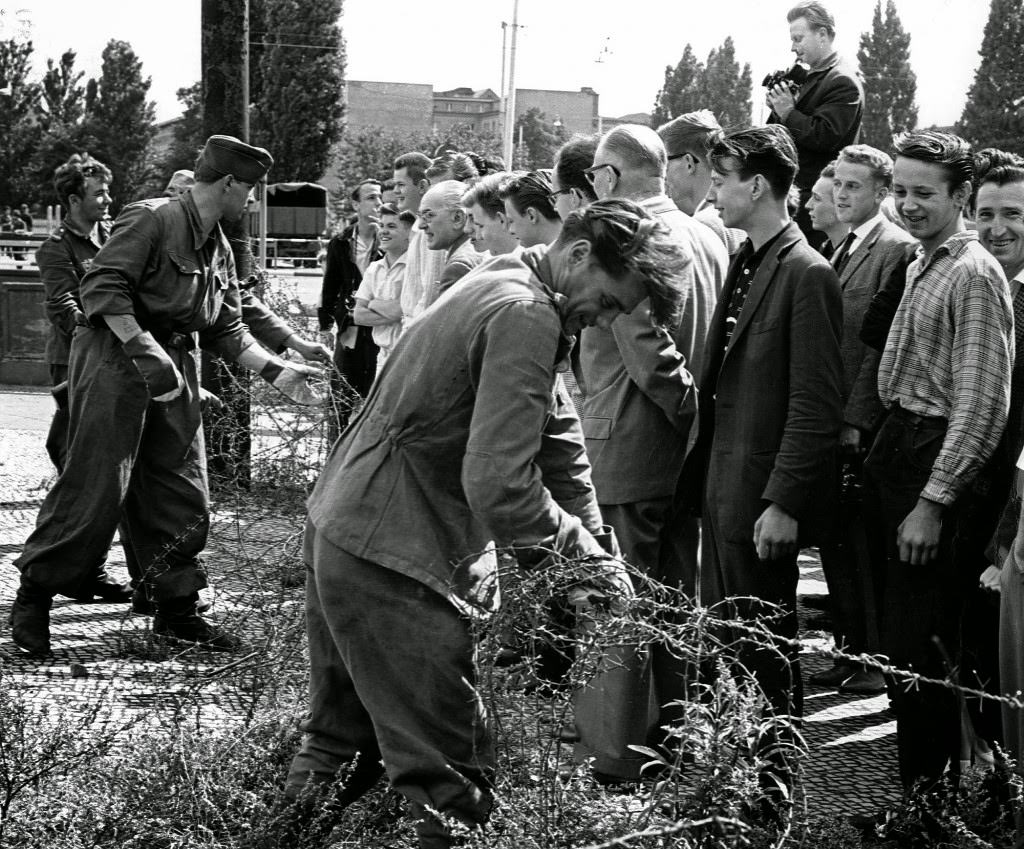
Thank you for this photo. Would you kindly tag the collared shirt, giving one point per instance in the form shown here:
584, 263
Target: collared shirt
949, 354
383, 282
861, 233
741, 275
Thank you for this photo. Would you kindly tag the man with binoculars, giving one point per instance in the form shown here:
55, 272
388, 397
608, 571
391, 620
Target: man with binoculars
821, 108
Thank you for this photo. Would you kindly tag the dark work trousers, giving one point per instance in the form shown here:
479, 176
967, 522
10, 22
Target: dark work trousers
358, 367
392, 679
853, 562
57, 449
730, 568
131, 457
979, 630
922, 605
627, 703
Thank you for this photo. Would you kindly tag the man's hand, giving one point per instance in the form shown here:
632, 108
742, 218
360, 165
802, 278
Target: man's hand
313, 351
918, 534
775, 534
850, 439
291, 382
208, 401
989, 579
781, 101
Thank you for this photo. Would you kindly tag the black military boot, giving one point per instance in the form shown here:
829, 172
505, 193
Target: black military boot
30, 622
143, 605
176, 620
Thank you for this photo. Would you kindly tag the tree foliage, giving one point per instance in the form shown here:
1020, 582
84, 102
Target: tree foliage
300, 106
541, 140
369, 153
188, 132
890, 85
992, 116
19, 130
121, 120
718, 84
681, 91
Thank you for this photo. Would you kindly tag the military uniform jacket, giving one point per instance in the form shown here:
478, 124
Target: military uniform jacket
160, 267
465, 438
63, 260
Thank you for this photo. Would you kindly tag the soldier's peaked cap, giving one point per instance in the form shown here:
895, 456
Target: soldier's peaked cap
228, 155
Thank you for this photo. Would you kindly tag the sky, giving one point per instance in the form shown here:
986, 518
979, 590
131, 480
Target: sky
559, 42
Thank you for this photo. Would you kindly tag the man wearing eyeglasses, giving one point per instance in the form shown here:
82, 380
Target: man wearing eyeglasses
637, 417
443, 223
687, 140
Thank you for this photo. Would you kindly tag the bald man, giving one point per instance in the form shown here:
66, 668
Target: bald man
640, 404
443, 222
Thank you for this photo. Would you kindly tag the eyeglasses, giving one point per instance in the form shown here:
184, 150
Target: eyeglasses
553, 197
593, 169
677, 156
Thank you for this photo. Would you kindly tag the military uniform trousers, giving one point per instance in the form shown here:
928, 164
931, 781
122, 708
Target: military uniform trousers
131, 457
392, 680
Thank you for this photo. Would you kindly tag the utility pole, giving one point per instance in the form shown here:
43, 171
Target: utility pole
225, 64
510, 98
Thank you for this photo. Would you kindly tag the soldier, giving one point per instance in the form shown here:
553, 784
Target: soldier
164, 278
83, 188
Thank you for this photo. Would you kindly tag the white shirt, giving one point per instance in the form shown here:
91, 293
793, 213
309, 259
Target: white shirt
422, 271
383, 282
861, 233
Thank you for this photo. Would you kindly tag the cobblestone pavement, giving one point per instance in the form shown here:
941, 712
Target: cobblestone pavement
104, 653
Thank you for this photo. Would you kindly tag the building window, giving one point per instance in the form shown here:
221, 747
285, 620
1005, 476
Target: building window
449, 105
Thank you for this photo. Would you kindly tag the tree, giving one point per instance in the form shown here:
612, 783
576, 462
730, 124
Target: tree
992, 116
681, 91
19, 129
120, 119
724, 88
370, 152
188, 132
61, 117
300, 106
890, 85
541, 140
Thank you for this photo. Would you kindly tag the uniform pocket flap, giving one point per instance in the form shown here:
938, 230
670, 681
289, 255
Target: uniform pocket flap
597, 427
185, 265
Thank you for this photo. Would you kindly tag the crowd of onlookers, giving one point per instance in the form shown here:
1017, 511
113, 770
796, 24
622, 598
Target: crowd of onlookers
693, 350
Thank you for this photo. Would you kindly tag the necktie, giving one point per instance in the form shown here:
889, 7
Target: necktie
843, 254
827, 249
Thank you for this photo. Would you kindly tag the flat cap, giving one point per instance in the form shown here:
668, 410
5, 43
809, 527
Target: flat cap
180, 181
228, 155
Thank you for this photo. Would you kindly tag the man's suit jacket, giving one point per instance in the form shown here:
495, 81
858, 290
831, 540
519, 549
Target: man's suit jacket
826, 118
771, 407
640, 396
884, 251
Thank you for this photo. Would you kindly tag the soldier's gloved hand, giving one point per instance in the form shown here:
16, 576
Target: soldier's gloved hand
290, 380
163, 380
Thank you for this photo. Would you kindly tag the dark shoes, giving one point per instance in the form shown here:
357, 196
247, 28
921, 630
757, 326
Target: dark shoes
145, 606
864, 682
30, 623
106, 589
178, 621
832, 677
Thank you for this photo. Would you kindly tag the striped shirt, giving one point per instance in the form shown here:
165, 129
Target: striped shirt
950, 353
